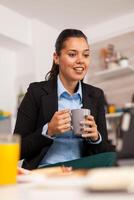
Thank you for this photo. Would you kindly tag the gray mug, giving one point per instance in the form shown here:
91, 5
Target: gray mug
78, 115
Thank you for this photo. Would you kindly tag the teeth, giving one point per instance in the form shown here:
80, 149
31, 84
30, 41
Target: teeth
79, 69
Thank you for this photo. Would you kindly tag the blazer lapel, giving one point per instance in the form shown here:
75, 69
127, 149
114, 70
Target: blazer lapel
88, 99
50, 100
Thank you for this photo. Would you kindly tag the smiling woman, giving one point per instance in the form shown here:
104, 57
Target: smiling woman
44, 120
73, 61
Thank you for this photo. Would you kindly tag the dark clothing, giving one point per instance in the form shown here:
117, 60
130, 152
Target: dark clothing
38, 107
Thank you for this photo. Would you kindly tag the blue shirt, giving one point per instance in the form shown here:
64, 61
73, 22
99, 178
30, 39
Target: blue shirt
66, 146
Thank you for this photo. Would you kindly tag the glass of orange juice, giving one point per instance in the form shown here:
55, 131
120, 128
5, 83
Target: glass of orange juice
9, 156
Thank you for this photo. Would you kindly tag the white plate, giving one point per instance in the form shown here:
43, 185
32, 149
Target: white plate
30, 178
110, 179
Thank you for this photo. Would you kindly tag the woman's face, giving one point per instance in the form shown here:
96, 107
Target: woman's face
73, 60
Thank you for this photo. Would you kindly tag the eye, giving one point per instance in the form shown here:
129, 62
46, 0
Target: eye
72, 55
86, 55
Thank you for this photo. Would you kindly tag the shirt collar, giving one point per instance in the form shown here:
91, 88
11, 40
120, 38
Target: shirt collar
62, 90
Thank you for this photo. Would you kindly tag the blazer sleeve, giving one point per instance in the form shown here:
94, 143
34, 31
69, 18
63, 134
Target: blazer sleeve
101, 119
104, 145
32, 140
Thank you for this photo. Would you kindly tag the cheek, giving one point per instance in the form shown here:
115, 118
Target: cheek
66, 62
88, 63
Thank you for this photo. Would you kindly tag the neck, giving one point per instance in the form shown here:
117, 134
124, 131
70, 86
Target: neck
68, 85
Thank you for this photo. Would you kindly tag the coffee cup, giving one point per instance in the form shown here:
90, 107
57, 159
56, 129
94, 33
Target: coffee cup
78, 115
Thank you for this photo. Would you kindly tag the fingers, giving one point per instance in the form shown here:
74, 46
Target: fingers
64, 127
66, 169
93, 136
23, 171
63, 112
89, 128
89, 122
60, 122
90, 132
64, 120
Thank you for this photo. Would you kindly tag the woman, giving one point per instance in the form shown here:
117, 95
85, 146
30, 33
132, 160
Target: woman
43, 119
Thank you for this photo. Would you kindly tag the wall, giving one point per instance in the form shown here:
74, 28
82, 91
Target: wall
35, 61
111, 28
14, 26
25, 70
118, 90
7, 76
26, 47
44, 37
115, 31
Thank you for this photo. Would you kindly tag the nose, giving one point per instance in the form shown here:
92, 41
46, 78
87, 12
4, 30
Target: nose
79, 59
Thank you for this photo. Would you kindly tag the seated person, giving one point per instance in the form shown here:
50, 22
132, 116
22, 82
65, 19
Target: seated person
43, 118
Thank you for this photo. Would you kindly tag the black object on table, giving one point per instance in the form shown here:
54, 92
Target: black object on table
107, 159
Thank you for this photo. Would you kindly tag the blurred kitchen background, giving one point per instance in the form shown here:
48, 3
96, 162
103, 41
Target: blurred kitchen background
28, 30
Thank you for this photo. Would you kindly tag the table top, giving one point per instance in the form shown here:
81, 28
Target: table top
20, 192
68, 186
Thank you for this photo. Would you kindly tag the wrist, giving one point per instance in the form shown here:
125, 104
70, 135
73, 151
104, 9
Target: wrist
95, 139
49, 131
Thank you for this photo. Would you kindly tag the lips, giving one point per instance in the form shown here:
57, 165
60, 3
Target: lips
79, 69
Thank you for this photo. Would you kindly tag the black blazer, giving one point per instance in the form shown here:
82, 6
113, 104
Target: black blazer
37, 108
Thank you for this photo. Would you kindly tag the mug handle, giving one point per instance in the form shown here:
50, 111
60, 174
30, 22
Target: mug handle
71, 121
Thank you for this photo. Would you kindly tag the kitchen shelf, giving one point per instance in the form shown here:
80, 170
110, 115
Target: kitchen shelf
5, 124
113, 73
114, 115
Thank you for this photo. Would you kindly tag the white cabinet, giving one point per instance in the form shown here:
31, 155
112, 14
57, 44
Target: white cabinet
117, 82
107, 74
5, 125
113, 115
113, 123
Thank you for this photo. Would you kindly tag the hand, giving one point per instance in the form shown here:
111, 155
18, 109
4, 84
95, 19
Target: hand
22, 171
89, 128
60, 122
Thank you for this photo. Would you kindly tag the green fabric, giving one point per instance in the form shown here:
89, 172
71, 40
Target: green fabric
107, 159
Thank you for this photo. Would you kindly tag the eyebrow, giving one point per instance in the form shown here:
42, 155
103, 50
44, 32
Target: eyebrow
76, 50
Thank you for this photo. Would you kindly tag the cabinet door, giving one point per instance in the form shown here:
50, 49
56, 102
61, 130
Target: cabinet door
5, 125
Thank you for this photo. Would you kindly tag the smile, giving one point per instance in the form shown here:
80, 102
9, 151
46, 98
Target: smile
79, 69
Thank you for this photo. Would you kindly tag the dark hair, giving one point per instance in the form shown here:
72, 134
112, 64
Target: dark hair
63, 36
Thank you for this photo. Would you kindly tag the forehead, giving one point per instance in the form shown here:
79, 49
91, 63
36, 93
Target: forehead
76, 43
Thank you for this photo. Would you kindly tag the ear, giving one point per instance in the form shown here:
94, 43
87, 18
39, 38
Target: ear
56, 58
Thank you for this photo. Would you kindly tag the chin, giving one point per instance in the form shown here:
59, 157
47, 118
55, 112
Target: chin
80, 77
